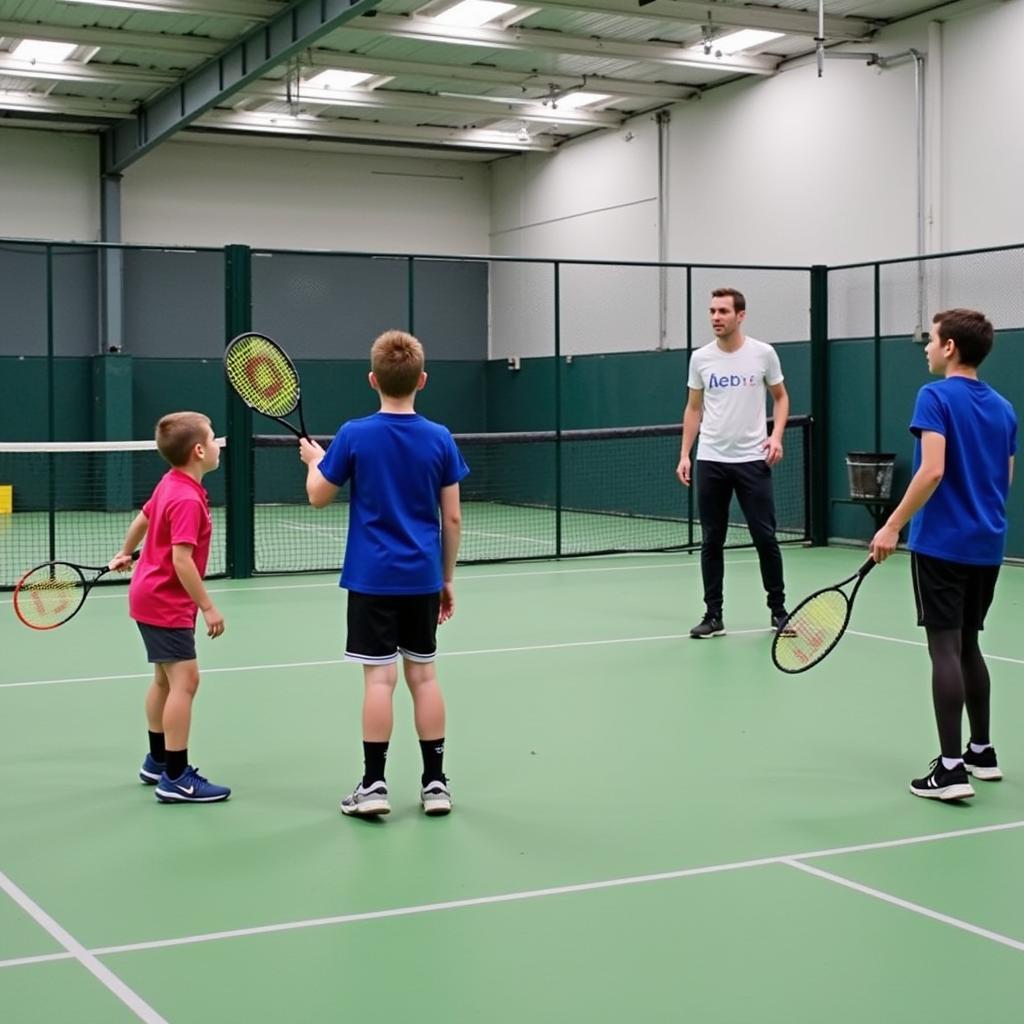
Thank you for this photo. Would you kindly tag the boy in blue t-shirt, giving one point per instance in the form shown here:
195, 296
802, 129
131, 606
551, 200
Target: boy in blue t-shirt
963, 466
399, 560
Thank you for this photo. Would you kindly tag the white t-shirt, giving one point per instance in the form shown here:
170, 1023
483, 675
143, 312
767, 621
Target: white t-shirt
734, 427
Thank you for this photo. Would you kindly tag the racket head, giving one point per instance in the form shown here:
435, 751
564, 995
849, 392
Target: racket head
262, 375
50, 594
811, 631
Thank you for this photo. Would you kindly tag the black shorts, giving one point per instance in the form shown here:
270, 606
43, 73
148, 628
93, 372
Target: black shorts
952, 595
163, 645
383, 626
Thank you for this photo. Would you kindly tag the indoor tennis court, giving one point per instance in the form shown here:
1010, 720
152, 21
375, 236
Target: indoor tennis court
644, 824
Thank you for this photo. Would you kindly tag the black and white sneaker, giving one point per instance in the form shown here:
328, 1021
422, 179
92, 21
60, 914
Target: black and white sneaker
943, 783
779, 623
709, 626
983, 766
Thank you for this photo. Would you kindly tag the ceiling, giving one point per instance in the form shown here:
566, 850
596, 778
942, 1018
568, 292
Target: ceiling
530, 78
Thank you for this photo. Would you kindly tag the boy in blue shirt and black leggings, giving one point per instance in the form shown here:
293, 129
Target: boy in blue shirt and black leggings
963, 465
403, 471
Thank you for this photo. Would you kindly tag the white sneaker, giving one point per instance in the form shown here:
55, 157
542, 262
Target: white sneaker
436, 798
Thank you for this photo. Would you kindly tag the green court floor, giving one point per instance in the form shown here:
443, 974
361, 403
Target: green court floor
645, 827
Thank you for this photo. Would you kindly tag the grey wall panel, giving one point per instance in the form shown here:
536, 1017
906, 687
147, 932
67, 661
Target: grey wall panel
326, 306
450, 304
173, 303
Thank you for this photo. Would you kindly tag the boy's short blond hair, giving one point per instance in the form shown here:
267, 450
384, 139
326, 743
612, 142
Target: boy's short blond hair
178, 433
396, 359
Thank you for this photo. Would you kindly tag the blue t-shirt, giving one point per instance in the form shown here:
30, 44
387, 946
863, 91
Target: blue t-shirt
965, 518
397, 464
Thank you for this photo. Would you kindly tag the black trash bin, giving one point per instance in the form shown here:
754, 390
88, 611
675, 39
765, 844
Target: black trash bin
870, 475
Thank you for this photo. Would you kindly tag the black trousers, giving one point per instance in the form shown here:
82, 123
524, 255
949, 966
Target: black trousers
751, 482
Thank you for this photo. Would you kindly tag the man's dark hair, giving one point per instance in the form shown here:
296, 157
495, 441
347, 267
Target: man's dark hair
739, 302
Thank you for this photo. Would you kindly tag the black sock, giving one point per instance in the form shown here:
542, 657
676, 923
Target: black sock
177, 762
157, 751
374, 756
433, 760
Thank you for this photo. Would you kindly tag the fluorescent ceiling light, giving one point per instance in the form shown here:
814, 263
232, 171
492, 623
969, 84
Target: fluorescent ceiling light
334, 78
575, 100
472, 13
744, 39
39, 49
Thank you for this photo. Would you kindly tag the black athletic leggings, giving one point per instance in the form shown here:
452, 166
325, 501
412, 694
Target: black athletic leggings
959, 677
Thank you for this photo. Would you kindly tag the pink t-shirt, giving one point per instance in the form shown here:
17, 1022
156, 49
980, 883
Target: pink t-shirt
178, 512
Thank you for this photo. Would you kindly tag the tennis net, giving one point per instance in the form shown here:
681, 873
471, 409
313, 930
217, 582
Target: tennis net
528, 495
532, 495
74, 502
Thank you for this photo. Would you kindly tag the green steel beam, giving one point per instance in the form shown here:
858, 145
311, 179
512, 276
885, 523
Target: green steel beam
819, 405
295, 29
240, 514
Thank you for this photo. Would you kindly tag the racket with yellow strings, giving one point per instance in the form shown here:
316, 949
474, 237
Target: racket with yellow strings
265, 379
817, 624
52, 593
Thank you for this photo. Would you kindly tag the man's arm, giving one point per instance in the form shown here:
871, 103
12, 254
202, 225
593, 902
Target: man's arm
319, 489
451, 534
780, 414
691, 426
919, 490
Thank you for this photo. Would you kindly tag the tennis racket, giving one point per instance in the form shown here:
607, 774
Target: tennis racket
817, 624
52, 593
265, 379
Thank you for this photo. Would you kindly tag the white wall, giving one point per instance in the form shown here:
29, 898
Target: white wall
797, 169
210, 194
983, 128
48, 185
596, 196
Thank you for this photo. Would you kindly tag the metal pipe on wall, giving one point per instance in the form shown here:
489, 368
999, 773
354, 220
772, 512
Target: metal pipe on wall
663, 118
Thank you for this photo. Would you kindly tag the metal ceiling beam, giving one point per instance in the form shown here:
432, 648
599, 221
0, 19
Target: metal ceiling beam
496, 76
313, 127
157, 42
32, 101
297, 27
250, 10
69, 71
774, 19
394, 99
525, 39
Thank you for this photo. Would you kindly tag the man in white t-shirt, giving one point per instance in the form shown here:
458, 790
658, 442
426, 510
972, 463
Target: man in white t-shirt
726, 405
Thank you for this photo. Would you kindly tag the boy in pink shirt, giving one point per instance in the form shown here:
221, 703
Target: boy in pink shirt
165, 592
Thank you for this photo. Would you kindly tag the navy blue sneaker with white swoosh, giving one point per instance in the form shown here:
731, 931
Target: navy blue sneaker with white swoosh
191, 788
151, 770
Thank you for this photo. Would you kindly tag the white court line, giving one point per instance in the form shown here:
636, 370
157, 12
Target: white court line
341, 661
916, 908
919, 643
76, 951
516, 897
441, 656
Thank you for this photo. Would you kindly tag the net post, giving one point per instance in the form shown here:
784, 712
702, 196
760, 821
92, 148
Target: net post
51, 409
817, 466
112, 421
558, 409
240, 498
